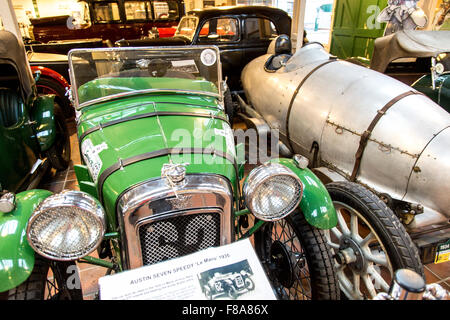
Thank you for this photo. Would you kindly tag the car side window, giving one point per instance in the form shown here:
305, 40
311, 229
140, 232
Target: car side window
138, 10
106, 11
165, 10
220, 30
260, 29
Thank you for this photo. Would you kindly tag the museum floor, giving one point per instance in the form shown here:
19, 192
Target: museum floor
90, 274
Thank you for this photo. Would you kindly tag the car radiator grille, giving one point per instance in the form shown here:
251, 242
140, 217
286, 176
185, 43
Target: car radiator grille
178, 236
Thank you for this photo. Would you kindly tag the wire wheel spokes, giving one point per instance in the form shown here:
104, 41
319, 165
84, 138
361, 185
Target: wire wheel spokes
290, 274
361, 261
51, 285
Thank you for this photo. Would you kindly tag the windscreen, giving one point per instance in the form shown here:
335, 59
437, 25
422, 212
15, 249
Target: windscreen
187, 27
108, 73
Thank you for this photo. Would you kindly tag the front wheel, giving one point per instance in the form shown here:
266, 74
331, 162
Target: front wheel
231, 292
297, 259
50, 280
369, 242
249, 284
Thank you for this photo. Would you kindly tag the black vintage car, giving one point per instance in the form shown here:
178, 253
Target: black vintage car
241, 33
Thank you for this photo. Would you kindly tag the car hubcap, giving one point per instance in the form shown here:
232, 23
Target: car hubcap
287, 264
283, 266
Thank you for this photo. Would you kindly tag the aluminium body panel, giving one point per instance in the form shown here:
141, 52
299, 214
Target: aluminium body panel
335, 104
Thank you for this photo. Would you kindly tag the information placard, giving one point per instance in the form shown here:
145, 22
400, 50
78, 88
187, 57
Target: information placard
228, 272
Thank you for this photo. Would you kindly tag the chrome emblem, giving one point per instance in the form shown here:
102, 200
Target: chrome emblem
180, 202
174, 173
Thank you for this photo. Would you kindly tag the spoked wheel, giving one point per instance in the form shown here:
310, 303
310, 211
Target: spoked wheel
369, 243
50, 280
297, 259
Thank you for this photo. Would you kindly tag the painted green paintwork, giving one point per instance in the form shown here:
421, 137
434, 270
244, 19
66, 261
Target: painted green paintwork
135, 137
98, 262
355, 28
441, 93
103, 87
43, 114
17, 257
82, 173
316, 203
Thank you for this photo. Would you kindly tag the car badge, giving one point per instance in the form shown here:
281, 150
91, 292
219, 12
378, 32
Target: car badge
180, 202
175, 173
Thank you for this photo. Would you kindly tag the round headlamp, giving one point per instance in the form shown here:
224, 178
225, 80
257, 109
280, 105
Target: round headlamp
66, 226
272, 191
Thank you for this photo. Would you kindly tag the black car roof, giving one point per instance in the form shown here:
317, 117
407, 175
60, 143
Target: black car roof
278, 16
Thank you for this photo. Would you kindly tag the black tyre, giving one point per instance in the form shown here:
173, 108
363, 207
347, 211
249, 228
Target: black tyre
208, 293
229, 106
49, 86
297, 259
59, 152
231, 292
60, 284
369, 242
249, 284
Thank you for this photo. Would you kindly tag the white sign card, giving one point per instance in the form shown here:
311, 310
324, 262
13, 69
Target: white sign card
228, 272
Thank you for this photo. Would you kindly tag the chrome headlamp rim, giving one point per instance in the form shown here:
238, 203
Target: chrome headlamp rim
260, 175
69, 199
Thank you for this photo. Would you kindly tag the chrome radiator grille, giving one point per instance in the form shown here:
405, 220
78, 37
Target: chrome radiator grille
158, 224
178, 236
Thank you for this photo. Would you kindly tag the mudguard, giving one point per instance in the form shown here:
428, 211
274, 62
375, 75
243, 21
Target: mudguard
49, 73
316, 203
16, 255
43, 114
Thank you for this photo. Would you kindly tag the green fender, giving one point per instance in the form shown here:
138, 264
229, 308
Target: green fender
316, 203
43, 114
16, 255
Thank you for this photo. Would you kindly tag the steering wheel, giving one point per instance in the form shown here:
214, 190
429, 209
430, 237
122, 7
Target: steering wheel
158, 67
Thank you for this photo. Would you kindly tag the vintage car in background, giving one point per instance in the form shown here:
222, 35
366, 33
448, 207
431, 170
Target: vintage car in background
62, 47
33, 129
160, 179
361, 130
33, 138
241, 33
419, 58
111, 20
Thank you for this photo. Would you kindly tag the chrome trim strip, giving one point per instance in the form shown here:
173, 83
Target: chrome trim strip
145, 91
155, 200
159, 153
149, 115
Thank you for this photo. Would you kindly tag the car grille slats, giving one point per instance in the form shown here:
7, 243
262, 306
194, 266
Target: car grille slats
178, 236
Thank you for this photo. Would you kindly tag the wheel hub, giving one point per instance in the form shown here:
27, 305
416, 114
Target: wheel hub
351, 254
284, 264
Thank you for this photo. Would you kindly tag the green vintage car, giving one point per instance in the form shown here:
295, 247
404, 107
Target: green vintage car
33, 138
161, 179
